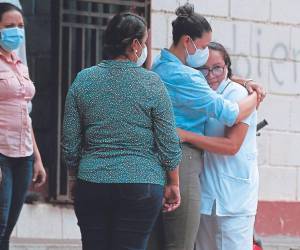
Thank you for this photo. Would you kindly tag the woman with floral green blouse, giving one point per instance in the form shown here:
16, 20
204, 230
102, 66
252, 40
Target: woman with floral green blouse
119, 132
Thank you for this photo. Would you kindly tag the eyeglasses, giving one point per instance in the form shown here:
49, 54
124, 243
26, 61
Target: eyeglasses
216, 71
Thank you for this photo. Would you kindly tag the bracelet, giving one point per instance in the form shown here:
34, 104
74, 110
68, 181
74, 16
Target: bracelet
245, 84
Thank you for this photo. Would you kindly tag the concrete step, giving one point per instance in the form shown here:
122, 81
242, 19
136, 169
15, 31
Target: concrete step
280, 243
269, 243
44, 244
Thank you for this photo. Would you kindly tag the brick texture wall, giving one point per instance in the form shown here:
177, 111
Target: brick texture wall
263, 38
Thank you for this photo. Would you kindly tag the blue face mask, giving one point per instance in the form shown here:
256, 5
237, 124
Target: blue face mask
11, 38
199, 58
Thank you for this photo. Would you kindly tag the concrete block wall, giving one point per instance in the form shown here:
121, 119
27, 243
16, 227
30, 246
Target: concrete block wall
263, 38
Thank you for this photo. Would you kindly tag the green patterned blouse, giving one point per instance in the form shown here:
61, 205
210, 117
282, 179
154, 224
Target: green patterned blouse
119, 125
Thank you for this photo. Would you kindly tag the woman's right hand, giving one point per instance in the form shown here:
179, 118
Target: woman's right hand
172, 199
39, 173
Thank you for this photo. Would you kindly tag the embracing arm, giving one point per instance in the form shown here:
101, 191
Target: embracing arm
246, 107
204, 99
228, 145
251, 86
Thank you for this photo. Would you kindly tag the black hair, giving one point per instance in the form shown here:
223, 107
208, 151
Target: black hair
219, 47
5, 7
189, 23
122, 29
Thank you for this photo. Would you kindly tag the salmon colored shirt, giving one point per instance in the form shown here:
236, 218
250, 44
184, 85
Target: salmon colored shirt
16, 90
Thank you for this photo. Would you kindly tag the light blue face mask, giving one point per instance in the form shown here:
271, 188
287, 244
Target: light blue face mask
11, 38
199, 58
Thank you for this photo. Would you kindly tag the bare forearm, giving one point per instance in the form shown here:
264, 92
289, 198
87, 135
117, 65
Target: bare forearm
238, 79
173, 176
251, 86
246, 106
218, 145
39, 173
36, 152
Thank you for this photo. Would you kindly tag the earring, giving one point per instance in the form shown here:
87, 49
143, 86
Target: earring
135, 51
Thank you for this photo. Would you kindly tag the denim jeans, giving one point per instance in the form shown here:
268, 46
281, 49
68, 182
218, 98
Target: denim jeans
116, 216
16, 178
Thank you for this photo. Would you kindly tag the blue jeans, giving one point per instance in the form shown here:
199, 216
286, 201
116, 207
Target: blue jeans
16, 178
116, 216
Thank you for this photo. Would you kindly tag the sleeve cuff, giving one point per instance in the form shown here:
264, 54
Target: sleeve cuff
230, 114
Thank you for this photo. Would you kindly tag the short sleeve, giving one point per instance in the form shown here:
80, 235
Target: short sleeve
236, 94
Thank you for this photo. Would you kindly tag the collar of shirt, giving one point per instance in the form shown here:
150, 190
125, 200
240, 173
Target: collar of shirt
166, 55
117, 64
13, 59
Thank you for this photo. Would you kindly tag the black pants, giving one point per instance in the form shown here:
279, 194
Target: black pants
116, 216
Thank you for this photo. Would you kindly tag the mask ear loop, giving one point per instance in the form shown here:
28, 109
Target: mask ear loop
186, 51
226, 74
135, 52
225, 79
193, 45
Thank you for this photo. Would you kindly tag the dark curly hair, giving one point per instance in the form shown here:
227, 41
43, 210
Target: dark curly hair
189, 23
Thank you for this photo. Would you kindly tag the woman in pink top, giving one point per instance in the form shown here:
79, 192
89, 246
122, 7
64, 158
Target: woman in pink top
20, 160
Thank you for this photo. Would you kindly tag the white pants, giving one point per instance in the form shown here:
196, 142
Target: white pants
225, 233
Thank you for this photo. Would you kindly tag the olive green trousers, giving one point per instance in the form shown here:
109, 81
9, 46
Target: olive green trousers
177, 230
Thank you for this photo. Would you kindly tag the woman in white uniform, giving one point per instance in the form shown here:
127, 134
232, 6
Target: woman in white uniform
230, 176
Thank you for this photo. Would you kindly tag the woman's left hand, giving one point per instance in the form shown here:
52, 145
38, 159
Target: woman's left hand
39, 173
261, 93
172, 199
